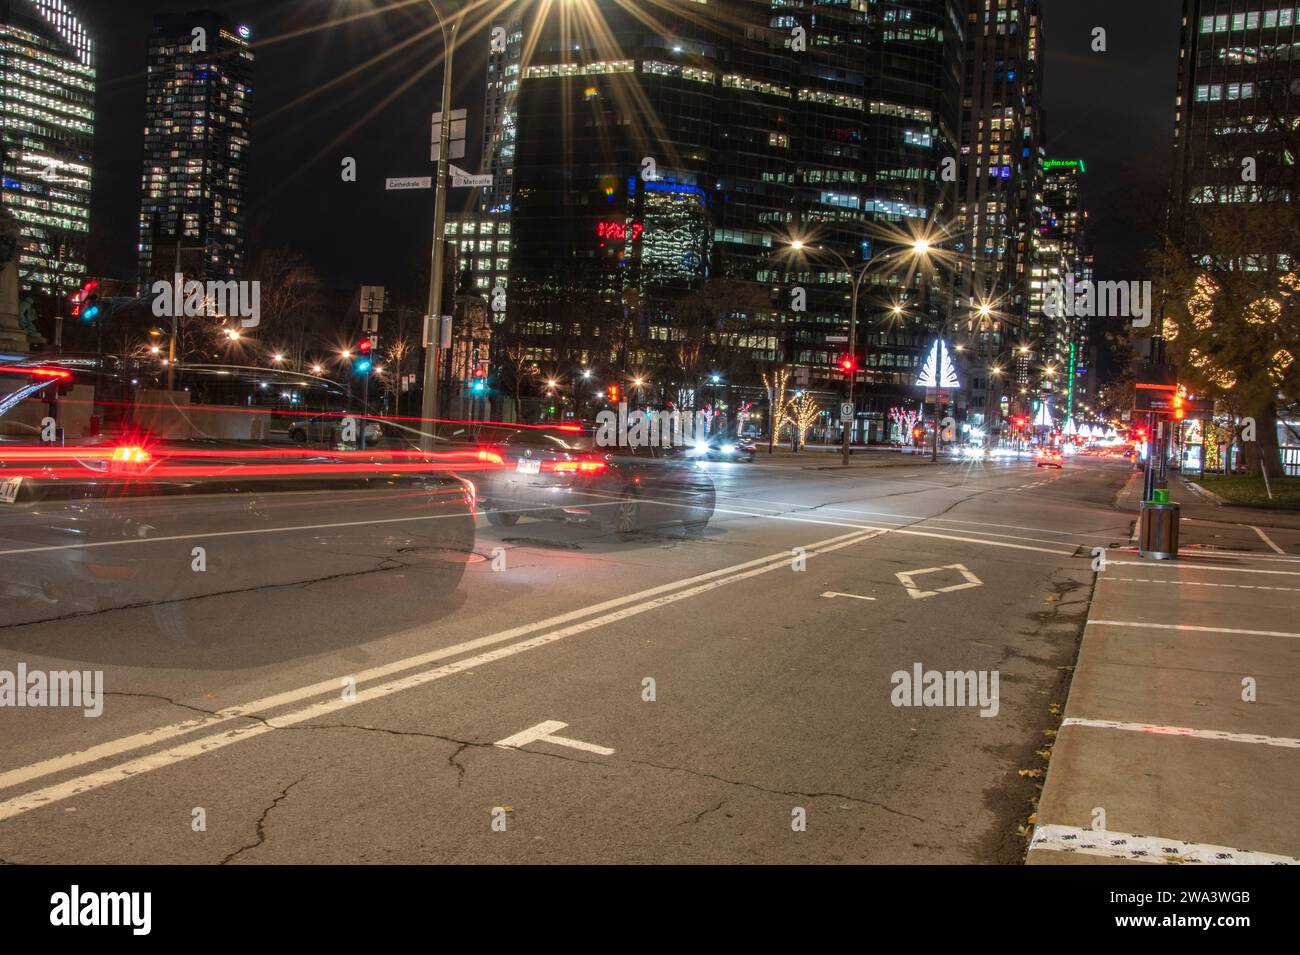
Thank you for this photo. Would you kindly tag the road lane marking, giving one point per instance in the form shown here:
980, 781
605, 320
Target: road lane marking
207, 534
163, 733
1191, 628
915, 517
836, 593
667, 594
1124, 845
544, 733
1158, 730
1264, 538
1181, 566
908, 580
1194, 583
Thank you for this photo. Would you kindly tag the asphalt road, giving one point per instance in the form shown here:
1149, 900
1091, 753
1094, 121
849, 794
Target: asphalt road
732, 695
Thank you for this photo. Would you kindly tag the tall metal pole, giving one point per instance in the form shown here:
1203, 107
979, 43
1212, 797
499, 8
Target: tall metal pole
429, 404
171, 343
847, 426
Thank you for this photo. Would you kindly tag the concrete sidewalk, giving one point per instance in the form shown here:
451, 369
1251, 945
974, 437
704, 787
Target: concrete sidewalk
1180, 734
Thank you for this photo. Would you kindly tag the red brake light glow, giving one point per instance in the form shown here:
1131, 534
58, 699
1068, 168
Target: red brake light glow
38, 371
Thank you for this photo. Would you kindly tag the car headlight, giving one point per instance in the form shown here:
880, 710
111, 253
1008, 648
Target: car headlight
728, 449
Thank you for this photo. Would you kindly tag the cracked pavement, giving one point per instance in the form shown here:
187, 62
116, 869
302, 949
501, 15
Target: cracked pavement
769, 697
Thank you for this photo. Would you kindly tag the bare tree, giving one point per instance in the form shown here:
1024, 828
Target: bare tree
289, 290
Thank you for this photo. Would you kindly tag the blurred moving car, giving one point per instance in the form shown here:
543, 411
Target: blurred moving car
327, 429
1048, 458
559, 472
90, 528
723, 447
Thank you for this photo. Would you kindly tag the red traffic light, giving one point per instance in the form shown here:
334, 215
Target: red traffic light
847, 363
79, 297
479, 373
364, 345
614, 392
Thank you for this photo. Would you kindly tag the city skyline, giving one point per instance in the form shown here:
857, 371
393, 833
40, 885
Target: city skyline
306, 136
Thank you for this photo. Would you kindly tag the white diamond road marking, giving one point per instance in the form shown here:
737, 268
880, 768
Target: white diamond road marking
908, 580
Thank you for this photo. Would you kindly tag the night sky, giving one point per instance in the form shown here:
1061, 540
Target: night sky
1114, 110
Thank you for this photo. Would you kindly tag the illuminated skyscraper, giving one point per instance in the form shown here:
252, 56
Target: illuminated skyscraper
660, 156
1001, 190
47, 119
196, 139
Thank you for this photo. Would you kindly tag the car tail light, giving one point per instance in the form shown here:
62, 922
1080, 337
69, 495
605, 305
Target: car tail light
581, 466
129, 458
490, 457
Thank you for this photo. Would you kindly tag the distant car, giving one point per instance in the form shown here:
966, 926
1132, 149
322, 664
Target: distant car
561, 473
723, 447
1048, 458
327, 430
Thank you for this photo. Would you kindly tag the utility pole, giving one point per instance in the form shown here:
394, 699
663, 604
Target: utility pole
433, 320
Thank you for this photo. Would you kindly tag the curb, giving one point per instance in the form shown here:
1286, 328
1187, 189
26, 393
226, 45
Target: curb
1204, 493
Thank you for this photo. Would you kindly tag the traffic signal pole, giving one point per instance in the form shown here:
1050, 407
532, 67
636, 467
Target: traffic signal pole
847, 426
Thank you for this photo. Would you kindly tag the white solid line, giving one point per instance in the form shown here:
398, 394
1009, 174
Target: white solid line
1190, 627
1172, 565
835, 593
1158, 730
896, 530
251, 530
1264, 538
884, 517
1194, 583
161, 734
1124, 845
206, 744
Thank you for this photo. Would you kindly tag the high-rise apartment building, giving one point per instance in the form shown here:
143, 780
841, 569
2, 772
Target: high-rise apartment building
196, 140
47, 119
1000, 180
1061, 258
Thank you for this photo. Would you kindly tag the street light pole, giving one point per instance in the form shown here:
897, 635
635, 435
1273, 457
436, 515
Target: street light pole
429, 404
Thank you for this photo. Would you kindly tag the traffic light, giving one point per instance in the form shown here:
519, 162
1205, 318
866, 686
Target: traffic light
479, 384
1179, 411
615, 393
85, 301
847, 364
364, 349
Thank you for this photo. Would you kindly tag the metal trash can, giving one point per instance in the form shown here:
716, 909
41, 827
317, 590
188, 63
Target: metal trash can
1158, 528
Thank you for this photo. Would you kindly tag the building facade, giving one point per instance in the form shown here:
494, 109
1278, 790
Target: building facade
47, 120
1002, 130
196, 140
1238, 99
664, 165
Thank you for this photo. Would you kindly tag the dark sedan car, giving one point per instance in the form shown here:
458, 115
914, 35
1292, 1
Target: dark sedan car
560, 472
